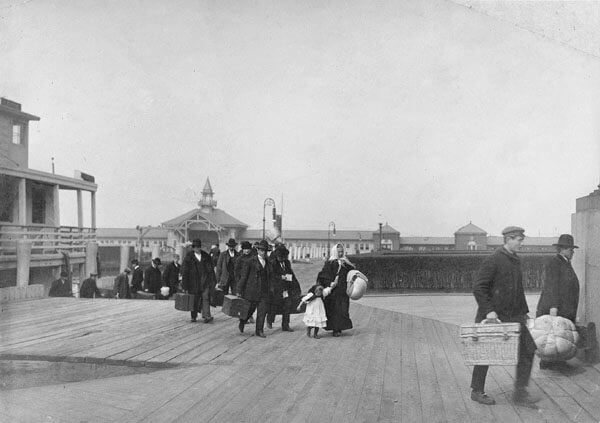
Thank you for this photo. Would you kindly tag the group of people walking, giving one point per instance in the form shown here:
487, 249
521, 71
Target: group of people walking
264, 277
500, 297
150, 280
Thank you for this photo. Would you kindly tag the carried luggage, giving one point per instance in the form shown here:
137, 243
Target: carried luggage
235, 307
490, 344
356, 285
216, 298
184, 302
556, 338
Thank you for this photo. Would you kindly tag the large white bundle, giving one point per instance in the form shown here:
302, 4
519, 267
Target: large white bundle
556, 338
164, 291
356, 284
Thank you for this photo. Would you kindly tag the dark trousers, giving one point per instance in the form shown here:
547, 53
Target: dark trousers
202, 302
526, 351
230, 285
285, 314
261, 307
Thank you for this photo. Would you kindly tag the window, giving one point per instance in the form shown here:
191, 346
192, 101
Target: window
362, 246
367, 247
17, 133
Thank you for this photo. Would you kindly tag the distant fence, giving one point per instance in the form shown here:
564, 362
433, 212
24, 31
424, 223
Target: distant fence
439, 272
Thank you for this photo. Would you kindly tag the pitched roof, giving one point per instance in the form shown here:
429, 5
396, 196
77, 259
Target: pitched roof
470, 229
207, 188
158, 233
216, 216
387, 229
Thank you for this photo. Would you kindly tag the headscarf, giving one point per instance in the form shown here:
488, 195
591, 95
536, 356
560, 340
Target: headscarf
334, 255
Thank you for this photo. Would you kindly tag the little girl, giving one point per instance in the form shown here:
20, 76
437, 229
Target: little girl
315, 316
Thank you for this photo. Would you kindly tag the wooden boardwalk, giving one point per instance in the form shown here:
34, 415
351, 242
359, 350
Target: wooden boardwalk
392, 367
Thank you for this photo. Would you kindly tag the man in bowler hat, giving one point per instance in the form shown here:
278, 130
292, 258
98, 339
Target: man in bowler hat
197, 278
62, 286
256, 285
226, 268
89, 289
286, 286
499, 292
560, 293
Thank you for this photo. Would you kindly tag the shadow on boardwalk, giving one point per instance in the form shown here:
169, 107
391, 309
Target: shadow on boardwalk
391, 367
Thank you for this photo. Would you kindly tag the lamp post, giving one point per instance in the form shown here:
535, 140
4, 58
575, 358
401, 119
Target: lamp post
380, 236
332, 223
268, 201
141, 232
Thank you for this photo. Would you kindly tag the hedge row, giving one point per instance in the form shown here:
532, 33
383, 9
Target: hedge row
438, 272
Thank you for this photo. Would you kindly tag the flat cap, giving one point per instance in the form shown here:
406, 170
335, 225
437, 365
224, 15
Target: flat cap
513, 230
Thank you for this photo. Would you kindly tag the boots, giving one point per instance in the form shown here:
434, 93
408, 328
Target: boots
308, 331
316, 332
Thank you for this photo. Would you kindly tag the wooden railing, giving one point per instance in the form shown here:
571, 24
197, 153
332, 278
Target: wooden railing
45, 239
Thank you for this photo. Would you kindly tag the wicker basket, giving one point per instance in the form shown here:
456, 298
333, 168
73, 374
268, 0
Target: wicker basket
490, 344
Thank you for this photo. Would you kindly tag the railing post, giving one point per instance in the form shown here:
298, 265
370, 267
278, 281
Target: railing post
23, 261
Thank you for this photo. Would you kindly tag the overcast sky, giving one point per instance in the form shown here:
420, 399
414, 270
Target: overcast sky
424, 114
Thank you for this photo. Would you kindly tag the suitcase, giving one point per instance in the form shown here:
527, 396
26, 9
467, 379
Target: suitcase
490, 344
235, 307
184, 302
216, 298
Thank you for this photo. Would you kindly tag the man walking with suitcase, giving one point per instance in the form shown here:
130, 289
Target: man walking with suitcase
500, 296
197, 278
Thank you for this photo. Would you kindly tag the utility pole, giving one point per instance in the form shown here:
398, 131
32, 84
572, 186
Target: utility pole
380, 236
142, 231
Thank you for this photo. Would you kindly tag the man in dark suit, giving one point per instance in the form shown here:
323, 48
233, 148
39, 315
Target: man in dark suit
499, 292
62, 286
153, 278
198, 277
121, 285
137, 277
286, 286
560, 293
226, 268
89, 289
171, 275
255, 285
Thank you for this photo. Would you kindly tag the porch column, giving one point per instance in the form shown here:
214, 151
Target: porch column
93, 204
56, 206
124, 259
91, 251
22, 202
79, 209
23, 260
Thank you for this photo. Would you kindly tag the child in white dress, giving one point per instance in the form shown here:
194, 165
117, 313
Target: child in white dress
314, 316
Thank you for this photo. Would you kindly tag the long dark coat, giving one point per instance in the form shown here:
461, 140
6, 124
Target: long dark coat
60, 288
223, 275
170, 277
280, 285
121, 286
238, 265
560, 290
251, 285
337, 304
499, 287
89, 289
137, 278
196, 275
152, 279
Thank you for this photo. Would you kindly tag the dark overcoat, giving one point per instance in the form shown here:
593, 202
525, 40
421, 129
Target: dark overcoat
89, 289
60, 289
137, 278
121, 286
223, 275
337, 304
196, 276
152, 279
499, 287
560, 290
171, 277
279, 285
256, 282
238, 265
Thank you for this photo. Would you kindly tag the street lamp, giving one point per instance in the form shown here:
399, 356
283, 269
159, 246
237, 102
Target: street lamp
141, 232
268, 202
332, 223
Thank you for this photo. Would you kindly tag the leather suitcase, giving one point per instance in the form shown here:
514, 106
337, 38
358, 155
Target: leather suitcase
184, 302
216, 298
235, 307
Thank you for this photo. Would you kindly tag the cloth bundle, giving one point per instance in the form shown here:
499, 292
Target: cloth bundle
556, 338
356, 284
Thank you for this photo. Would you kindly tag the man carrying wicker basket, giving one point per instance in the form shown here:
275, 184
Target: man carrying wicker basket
500, 297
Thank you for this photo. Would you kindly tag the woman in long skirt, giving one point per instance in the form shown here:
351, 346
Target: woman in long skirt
337, 304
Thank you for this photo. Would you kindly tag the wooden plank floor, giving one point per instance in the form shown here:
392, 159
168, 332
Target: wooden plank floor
392, 367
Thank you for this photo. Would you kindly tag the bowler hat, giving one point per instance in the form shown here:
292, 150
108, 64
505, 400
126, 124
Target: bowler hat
246, 245
93, 274
156, 261
231, 242
64, 273
196, 243
263, 245
513, 231
566, 241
